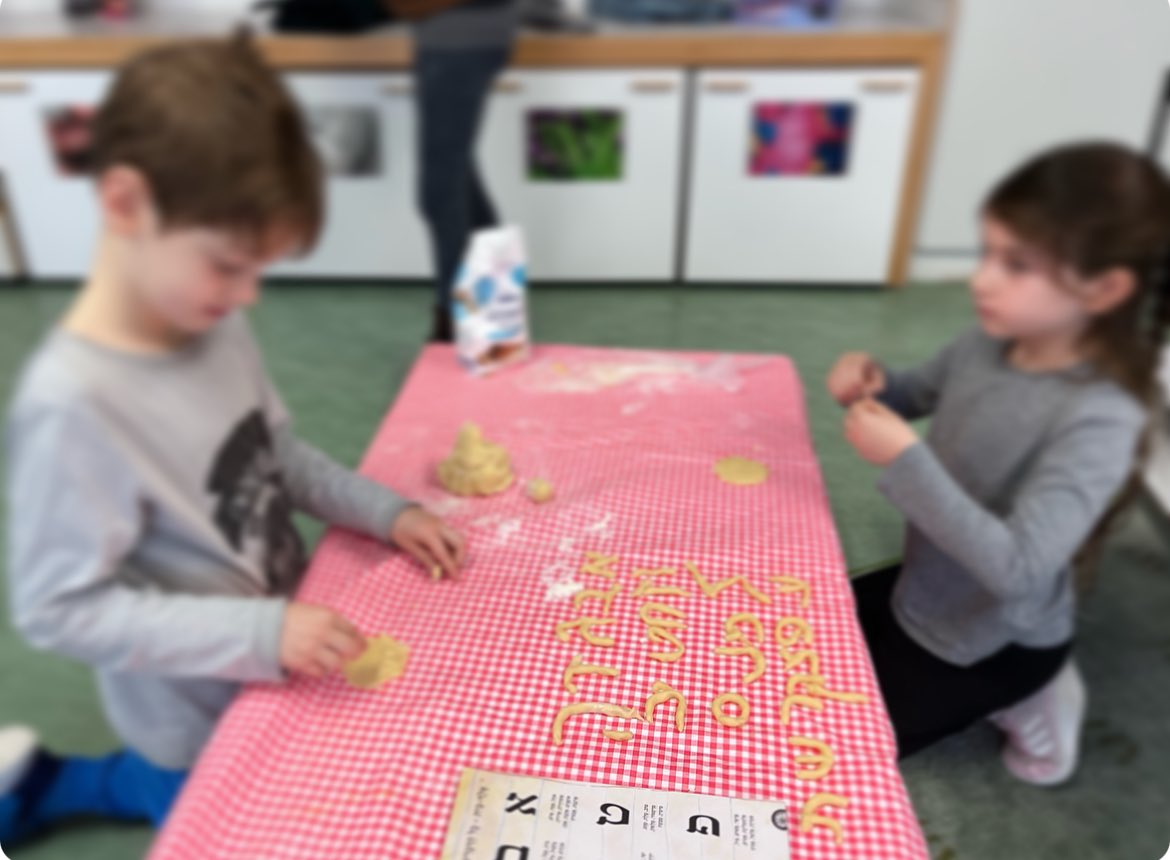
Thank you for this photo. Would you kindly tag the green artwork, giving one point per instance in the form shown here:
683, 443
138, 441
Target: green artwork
579, 145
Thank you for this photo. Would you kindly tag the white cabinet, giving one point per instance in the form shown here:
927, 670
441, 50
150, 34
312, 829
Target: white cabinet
55, 213
588, 163
364, 126
364, 123
770, 217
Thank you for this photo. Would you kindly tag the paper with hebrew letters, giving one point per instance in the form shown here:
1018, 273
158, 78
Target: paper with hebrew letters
503, 817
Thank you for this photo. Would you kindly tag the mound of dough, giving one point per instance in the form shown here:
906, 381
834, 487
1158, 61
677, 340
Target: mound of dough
476, 467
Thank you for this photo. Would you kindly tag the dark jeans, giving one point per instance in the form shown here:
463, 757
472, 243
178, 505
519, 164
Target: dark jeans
452, 87
929, 698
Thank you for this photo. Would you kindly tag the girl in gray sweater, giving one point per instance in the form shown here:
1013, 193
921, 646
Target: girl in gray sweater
1037, 415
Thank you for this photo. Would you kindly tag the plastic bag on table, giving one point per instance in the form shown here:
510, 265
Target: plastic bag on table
489, 303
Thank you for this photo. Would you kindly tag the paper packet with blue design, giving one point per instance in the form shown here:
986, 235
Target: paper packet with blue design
489, 303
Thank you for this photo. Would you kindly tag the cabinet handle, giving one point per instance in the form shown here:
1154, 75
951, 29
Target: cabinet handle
878, 86
727, 87
13, 88
649, 86
508, 86
397, 90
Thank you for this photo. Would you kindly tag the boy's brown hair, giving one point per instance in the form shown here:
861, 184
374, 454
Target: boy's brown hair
219, 139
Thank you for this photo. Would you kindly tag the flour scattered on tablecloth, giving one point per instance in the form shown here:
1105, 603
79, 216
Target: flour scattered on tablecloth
646, 372
445, 506
562, 590
602, 529
487, 521
506, 530
581, 528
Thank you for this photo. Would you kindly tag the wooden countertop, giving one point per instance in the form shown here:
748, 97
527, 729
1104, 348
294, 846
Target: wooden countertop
35, 41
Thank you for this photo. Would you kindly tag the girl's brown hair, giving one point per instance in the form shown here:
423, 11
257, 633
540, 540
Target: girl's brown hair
218, 138
1092, 208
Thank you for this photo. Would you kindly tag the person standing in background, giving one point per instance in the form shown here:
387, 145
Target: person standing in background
460, 47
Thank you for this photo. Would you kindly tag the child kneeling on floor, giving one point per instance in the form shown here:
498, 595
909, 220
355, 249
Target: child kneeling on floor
152, 467
1038, 412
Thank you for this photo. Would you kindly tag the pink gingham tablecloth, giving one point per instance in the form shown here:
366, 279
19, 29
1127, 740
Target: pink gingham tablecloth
317, 769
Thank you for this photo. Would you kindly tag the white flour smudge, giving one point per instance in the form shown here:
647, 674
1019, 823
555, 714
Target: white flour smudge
561, 590
446, 506
506, 530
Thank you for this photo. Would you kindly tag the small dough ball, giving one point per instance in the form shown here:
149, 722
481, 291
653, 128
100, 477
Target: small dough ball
540, 491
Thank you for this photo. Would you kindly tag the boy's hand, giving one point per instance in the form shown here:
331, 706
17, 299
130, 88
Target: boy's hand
433, 543
879, 434
316, 641
854, 376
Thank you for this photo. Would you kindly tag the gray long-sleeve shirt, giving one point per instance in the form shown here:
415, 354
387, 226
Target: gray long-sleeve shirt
1015, 473
151, 536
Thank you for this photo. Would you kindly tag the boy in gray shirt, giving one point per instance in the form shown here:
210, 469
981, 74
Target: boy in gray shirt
152, 467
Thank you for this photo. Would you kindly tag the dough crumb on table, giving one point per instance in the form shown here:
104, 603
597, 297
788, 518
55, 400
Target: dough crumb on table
540, 491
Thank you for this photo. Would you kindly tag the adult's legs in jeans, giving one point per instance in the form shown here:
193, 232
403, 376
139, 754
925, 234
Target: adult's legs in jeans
482, 209
453, 86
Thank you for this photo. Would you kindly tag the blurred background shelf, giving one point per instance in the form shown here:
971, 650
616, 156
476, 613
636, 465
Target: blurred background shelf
682, 183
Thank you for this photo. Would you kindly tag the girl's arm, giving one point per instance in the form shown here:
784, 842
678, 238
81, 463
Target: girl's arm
913, 393
1055, 509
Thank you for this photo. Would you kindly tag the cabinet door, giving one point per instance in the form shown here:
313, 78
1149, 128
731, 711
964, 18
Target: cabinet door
365, 131
588, 164
44, 118
797, 175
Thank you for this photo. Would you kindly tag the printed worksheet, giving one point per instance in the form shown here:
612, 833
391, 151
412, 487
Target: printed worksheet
502, 817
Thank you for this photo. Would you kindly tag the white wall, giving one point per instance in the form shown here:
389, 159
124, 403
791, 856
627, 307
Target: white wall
1025, 75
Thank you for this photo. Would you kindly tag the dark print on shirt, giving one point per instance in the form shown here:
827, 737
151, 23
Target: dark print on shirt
254, 511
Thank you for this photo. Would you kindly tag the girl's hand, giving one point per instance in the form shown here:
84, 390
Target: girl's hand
854, 376
877, 433
316, 641
430, 541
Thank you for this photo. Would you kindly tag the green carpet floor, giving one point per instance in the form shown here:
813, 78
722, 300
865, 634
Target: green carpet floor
339, 356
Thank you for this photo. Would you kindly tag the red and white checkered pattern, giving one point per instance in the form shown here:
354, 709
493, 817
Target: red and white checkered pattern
321, 770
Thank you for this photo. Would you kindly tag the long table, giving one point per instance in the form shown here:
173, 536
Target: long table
700, 585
